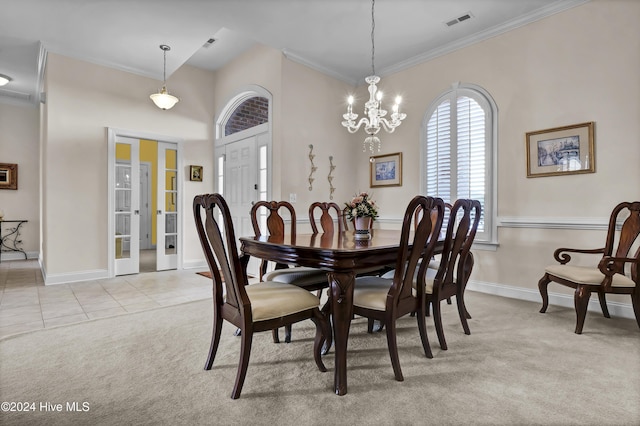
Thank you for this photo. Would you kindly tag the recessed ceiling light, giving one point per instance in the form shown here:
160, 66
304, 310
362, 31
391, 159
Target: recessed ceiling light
4, 79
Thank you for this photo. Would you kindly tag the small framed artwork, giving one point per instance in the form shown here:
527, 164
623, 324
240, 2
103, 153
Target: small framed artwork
195, 173
8, 176
386, 170
561, 150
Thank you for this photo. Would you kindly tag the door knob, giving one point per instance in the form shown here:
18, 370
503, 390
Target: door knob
159, 212
136, 212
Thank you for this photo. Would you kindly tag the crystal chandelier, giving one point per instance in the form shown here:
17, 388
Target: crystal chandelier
375, 116
163, 99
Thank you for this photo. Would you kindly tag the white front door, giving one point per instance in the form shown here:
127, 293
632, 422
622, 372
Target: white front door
241, 187
126, 206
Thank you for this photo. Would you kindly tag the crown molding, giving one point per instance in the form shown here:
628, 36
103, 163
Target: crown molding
534, 16
324, 70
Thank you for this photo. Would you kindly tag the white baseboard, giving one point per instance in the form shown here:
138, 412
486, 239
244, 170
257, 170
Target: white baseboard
73, 277
194, 264
616, 309
16, 255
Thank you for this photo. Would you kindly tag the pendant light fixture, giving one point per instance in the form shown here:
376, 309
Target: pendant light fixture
163, 99
4, 79
375, 116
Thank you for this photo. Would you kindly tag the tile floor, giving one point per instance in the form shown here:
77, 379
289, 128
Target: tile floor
27, 304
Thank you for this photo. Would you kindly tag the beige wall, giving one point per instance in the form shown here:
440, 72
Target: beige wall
19, 136
82, 101
313, 103
306, 110
576, 66
260, 66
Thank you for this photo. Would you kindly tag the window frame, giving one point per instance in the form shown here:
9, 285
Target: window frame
489, 236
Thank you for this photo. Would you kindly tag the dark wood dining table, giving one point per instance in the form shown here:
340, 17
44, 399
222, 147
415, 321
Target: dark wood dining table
341, 255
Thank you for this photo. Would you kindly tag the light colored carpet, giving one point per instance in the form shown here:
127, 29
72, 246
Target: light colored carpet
517, 367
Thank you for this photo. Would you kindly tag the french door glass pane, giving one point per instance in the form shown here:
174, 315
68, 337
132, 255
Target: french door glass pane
123, 210
171, 202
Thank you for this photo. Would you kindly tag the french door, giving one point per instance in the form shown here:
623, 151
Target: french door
127, 205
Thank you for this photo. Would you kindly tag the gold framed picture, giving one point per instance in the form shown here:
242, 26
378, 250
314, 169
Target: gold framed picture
385, 170
561, 150
195, 173
8, 176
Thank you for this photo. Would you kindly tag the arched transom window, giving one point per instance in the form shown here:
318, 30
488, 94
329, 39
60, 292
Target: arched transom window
250, 113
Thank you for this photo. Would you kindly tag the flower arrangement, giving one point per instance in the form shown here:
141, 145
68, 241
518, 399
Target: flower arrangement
361, 206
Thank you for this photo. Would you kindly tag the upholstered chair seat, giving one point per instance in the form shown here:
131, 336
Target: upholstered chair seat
299, 275
587, 276
271, 300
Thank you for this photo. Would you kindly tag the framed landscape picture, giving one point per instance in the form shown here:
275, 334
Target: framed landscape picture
386, 170
561, 150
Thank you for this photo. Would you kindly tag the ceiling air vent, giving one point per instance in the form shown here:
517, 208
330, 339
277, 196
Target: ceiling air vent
459, 19
209, 42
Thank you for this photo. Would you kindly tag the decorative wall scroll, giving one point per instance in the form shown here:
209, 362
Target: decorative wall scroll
561, 151
313, 166
330, 177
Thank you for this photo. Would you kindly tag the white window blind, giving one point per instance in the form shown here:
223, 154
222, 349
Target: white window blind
457, 151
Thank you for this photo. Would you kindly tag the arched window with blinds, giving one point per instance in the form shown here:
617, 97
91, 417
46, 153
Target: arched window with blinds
458, 151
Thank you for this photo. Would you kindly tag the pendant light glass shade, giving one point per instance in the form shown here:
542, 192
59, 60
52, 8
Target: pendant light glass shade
163, 99
4, 79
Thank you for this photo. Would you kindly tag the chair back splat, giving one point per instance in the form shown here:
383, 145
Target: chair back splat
327, 223
251, 308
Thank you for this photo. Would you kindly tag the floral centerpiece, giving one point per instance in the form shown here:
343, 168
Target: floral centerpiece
361, 206
362, 210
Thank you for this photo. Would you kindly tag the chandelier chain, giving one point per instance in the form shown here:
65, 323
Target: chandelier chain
373, 42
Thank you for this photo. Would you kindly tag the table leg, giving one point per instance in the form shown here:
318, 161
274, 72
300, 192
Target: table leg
342, 310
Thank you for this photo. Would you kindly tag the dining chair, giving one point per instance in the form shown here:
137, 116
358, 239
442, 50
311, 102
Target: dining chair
251, 308
449, 278
455, 266
617, 272
386, 300
310, 279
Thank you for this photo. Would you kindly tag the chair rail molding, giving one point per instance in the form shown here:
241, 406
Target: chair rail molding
581, 223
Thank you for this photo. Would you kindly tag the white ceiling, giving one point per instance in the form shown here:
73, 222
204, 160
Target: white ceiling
332, 36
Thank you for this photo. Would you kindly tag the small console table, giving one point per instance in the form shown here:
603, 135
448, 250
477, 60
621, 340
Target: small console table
10, 236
